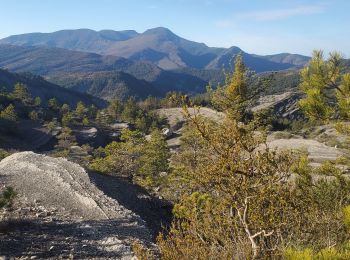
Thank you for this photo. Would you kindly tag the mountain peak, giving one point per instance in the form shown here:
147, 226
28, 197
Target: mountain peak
162, 31
235, 49
158, 29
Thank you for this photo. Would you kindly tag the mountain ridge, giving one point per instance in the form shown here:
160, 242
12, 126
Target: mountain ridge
158, 45
110, 64
60, 65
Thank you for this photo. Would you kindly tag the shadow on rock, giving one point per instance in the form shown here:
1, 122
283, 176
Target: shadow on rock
156, 212
85, 239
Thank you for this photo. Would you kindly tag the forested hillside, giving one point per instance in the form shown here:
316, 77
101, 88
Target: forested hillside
39, 87
61, 66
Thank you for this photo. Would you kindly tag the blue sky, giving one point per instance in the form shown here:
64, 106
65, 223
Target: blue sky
256, 26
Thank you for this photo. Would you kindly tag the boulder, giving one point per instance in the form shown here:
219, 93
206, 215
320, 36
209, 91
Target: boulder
167, 132
82, 213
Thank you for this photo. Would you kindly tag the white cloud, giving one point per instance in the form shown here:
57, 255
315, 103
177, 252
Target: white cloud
284, 13
271, 14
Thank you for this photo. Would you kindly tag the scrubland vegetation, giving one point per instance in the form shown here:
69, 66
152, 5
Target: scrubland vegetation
233, 196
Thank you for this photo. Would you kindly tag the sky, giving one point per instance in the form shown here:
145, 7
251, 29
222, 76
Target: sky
256, 26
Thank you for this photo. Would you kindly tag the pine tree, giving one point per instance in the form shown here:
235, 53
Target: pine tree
53, 104
67, 119
321, 80
130, 110
234, 97
9, 114
115, 108
80, 110
66, 139
141, 123
92, 112
21, 92
8, 119
85, 121
327, 91
65, 109
343, 96
234, 194
33, 115
154, 159
37, 101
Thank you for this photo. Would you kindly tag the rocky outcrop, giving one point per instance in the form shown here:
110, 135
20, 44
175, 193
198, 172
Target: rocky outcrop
176, 119
117, 128
62, 203
284, 105
317, 152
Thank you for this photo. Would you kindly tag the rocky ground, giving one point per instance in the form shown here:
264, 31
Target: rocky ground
176, 120
62, 212
175, 116
284, 105
317, 152
321, 143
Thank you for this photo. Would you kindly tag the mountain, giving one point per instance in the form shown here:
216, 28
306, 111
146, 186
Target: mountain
165, 49
287, 58
158, 46
46, 61
38, 87
111, 63
62, 66
80, 40
258, 64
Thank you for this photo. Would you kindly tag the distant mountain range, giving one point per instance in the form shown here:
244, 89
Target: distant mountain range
111, 64
159, 46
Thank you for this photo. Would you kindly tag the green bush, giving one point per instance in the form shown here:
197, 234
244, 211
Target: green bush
135, 157
3, 154
6, 198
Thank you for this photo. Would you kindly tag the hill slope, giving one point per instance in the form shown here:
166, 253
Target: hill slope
287, 58
108, 85
39, 87
62, 66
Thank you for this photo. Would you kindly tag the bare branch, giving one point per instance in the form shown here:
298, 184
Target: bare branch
263, 232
